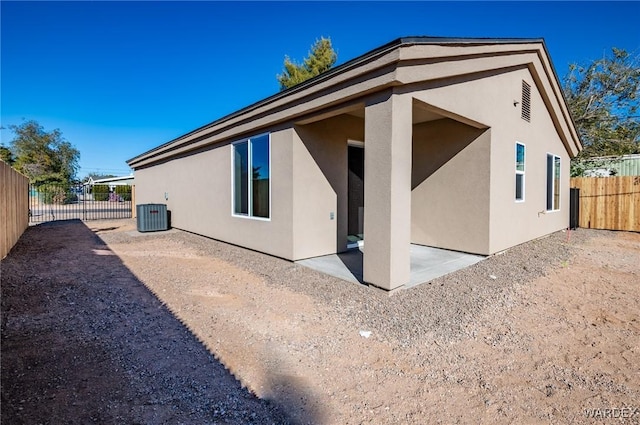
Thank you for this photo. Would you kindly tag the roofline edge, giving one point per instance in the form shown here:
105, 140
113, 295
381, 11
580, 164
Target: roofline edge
398, 42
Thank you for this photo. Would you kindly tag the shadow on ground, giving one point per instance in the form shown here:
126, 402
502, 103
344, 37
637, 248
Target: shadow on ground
353, 260
83, 340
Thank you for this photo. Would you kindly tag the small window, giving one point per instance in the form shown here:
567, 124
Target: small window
252, 177
526, 102
520, 157
241, 178
553, 182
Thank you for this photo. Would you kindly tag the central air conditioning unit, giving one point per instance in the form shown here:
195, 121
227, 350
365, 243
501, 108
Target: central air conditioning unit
152, 217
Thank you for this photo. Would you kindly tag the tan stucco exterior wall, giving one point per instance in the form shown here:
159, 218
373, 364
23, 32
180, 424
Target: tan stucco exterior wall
387, 190
199, 197
308, 188
320, 185
450, 185
511, 222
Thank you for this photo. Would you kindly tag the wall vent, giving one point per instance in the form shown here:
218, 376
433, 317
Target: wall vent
526, 101
151, 217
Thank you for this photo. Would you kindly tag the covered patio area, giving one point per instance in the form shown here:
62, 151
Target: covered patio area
427, 263
400, 174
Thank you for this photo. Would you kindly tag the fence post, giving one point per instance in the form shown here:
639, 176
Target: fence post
574, 208
133, 201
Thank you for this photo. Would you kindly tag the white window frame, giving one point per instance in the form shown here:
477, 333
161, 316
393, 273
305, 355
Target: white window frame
521, 173
250, 180
553, 190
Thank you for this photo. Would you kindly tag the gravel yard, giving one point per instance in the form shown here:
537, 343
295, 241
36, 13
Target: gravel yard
103, 324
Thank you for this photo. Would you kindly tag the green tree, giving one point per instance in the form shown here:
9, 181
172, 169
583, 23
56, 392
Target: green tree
6, 155
320, 59
603, 98
44, 157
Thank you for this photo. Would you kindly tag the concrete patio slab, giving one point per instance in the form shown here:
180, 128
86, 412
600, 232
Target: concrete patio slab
427, 263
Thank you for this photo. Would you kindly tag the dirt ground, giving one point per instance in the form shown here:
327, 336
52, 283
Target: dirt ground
103, 324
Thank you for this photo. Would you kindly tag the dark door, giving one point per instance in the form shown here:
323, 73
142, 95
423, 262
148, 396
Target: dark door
356, 193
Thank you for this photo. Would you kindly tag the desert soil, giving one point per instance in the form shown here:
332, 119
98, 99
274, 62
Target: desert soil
102, 324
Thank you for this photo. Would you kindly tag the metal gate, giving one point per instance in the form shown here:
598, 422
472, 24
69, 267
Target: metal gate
48, 202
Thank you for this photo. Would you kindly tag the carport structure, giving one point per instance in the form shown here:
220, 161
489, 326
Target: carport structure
461, 144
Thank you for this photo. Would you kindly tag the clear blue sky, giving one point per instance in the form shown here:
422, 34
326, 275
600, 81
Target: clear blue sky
119, 78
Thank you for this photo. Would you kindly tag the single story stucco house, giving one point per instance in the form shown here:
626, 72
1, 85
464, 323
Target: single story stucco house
112, 182
462, 144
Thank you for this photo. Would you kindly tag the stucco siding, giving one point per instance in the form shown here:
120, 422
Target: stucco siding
199, 197
320, 185
315, 201
442, 73
450, 184
514, 222
496, 101
387, 190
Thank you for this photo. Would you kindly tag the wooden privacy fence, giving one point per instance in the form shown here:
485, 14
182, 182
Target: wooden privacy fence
611, 203
14, 207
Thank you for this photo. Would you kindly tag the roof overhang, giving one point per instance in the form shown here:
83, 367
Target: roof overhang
377, 70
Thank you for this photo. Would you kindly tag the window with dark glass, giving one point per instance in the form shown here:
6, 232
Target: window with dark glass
553, 182
241, 178
520, 153
251, 177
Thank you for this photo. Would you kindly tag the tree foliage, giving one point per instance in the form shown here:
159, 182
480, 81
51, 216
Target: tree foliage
44, 157
603, 98
320, 59
124, 191
6, 155
56, 194
100, 192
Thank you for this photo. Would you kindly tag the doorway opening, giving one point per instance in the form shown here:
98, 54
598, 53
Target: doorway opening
355, 227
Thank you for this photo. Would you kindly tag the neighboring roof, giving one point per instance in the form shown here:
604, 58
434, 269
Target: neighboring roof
626, 165
299, 90
109, 179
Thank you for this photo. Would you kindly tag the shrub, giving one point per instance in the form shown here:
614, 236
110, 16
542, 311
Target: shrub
124, 192
52, 194
101, 192
70, 198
